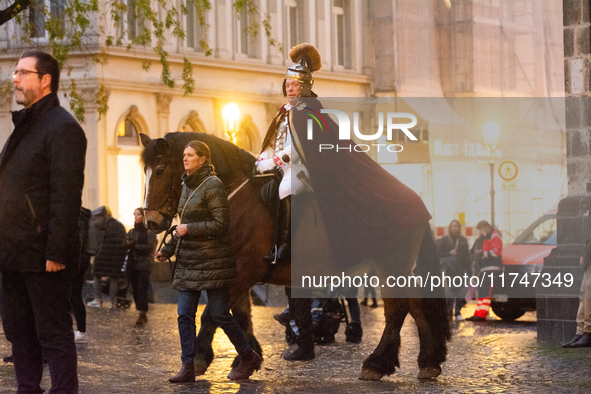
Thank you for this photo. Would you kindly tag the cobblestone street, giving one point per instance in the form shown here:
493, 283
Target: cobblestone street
492, 357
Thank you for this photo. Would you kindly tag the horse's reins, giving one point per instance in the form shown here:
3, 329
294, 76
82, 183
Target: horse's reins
233, 192
238, 188
166, 234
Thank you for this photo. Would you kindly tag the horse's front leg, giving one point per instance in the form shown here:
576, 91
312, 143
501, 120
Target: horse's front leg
242, 313
384, 359
433, 326
203, 348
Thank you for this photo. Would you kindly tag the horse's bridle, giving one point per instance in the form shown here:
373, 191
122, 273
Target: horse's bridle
170, 212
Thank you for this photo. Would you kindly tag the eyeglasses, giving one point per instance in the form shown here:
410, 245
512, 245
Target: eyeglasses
24, 73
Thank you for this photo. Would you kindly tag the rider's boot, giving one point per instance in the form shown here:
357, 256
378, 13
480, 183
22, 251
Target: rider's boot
300, 309
283, 251
305, 350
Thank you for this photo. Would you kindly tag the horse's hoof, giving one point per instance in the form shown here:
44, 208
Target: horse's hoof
429, 372
370, 374
200, 368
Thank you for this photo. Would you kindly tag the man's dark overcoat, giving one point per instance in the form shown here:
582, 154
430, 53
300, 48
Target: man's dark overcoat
41, 180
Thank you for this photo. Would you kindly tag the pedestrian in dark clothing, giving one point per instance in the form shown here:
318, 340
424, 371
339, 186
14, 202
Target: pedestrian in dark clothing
205, 262
369, 292
476, 255
109, 261
78, 307
454, 244
476, 246
41, 178
142, 245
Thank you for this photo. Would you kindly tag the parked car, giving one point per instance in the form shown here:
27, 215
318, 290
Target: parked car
525, 254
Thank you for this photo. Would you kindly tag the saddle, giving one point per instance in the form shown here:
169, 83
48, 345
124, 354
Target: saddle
281, 211
270, 191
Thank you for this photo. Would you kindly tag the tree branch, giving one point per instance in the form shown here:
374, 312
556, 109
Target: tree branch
14, 9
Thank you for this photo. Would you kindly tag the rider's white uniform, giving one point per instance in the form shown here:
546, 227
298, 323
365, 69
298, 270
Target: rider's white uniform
290, 183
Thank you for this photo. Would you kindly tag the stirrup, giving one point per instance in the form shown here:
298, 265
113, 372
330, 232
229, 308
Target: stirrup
280, 254
272, 258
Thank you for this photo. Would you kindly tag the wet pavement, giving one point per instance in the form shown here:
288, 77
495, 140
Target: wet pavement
490, 357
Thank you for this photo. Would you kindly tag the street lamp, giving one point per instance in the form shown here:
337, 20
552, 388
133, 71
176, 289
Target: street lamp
491, 136
231, 116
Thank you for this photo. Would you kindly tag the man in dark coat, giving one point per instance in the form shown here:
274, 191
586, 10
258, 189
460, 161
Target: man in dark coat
41, 180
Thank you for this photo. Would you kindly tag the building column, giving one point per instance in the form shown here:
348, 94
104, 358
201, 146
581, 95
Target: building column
557, 306
163, 108
224, 15
95, 179
5, 118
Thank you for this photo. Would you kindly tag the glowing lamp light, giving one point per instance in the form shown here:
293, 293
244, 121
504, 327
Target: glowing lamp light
231, 116
491, 134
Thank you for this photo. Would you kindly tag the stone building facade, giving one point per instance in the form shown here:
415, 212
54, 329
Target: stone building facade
557, 308
378, 48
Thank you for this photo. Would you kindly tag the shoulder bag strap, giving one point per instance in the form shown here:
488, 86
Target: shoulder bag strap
178, 244
191, 196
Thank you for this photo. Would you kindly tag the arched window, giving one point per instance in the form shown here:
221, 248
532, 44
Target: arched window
127, 133
245, 138
192, 123
129, 127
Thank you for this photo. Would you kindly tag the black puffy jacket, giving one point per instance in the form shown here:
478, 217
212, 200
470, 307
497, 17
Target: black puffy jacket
110, 259
447, 244
143, 253
205, 258
41, 179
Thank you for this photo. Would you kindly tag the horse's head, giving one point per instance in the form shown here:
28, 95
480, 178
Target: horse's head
163, 183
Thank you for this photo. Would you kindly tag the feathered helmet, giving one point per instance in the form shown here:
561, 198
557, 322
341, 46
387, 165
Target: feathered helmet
307, 60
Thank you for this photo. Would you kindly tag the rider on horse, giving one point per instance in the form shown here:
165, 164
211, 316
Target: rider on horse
277, 149
377, 204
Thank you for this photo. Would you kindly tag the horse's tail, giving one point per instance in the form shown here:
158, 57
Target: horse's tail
434, 302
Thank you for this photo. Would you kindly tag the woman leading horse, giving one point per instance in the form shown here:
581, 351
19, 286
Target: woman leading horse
205, 262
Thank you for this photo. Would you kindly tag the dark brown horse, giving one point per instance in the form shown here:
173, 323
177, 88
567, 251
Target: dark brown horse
252, 232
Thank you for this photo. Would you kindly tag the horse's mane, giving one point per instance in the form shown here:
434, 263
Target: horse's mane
231, 162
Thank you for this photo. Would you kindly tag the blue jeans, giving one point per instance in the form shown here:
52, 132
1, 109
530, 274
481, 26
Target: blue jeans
217, 310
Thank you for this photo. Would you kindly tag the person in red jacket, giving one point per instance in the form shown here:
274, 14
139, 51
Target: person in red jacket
491, 264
